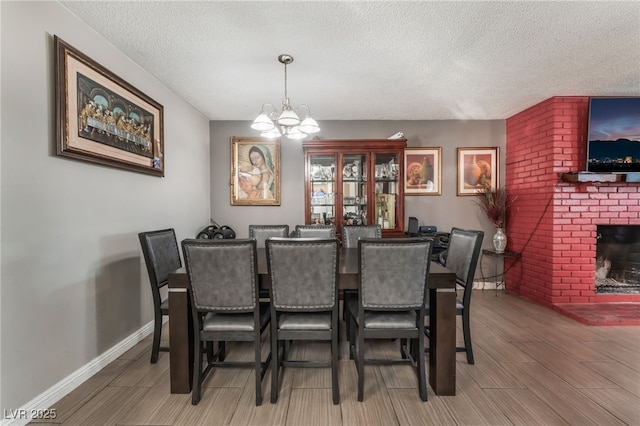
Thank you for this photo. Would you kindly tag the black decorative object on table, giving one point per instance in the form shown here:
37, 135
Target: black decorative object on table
215, 231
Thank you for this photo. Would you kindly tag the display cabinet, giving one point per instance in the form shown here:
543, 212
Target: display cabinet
355, 182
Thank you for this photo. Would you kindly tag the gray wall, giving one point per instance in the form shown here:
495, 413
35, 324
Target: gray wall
443, 211
73, 283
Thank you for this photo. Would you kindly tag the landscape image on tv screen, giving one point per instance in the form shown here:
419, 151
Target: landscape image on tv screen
614, 135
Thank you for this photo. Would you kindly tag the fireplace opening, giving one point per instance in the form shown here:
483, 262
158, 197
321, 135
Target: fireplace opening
618, 259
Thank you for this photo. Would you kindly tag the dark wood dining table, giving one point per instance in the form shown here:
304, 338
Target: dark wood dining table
442, 322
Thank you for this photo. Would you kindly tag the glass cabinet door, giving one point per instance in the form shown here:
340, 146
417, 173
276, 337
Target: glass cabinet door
354, 189
387, 181
323, 189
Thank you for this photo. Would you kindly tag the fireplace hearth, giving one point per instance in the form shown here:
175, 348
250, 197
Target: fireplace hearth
618, 259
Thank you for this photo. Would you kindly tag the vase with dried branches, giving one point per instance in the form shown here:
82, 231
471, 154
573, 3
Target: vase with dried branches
495, 202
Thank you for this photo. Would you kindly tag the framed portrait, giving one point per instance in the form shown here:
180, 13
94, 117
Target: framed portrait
477, 169
423, 169
255, 171
103, 119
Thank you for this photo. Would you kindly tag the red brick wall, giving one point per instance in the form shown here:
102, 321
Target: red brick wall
553, 223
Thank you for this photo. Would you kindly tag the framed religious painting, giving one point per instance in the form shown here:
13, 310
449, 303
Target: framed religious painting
102, 119
477, 170
255, 171
423, 169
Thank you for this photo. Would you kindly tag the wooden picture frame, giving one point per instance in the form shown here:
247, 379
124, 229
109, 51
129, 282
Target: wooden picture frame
477, 169
102, 119
423, 171
255, 171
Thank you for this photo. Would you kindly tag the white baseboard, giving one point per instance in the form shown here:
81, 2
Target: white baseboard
55, 393
486, 285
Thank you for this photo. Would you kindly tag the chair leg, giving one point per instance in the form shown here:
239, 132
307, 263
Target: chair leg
275, 361
420, 360
157, 331
360, 364
209, 349
221, 350
258, 369
347, 325
467, 336
334, 365
403, 343
351, 337
197, 370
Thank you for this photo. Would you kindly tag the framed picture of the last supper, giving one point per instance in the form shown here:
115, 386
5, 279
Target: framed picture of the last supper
103, 119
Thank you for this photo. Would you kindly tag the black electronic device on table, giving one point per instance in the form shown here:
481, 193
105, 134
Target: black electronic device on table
440, 239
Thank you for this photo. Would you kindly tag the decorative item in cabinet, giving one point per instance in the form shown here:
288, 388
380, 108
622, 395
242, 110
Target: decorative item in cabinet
385, 210
365, 172
321, 203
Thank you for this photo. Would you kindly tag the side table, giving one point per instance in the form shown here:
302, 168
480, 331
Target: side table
496, 257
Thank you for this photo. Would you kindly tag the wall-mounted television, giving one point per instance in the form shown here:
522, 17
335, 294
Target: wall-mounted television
613, 144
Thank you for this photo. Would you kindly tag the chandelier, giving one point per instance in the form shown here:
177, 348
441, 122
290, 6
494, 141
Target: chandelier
273, 123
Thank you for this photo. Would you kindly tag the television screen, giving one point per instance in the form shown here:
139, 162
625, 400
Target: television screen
614, 135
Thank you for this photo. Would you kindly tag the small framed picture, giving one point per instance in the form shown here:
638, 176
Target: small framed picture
477, 170
255, 171
423, 171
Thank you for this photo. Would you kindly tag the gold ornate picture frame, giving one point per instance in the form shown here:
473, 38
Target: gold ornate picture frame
477, 169
103, 119
423, 170
255, 171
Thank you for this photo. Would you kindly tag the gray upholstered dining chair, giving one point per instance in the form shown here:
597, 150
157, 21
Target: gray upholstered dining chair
391, 302
162, 256
462, 258
350, 236
223, 283
261, 232
314, 231
304, 301
352, 233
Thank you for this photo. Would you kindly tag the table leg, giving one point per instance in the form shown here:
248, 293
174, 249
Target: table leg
180, 335
442, 340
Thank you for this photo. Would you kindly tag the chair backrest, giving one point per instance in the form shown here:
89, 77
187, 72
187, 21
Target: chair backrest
462, 257
161, 255
394, 272
223, 274
315, 231
352, 233
261, 232
412, 228
304, 273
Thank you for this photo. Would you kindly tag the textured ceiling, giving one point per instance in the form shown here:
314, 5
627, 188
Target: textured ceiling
377, 60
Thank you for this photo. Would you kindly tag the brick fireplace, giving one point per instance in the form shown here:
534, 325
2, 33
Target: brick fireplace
554, 223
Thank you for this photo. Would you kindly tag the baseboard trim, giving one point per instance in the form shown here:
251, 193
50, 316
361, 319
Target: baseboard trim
61, 389
486, 285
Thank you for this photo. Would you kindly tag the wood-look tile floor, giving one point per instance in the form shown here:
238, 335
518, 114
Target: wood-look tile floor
533, 366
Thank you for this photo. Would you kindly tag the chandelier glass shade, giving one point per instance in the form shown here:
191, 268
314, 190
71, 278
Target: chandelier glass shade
273, 123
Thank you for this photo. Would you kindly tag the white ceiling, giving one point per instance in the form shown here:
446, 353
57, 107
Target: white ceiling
377, 60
